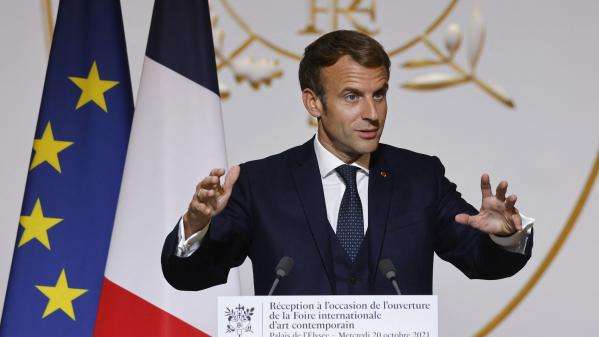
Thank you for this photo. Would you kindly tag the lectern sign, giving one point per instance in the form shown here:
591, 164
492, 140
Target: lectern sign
328, 316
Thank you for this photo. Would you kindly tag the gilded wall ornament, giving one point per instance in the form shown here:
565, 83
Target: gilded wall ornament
362, 15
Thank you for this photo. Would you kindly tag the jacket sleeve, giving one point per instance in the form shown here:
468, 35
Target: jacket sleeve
225, 245
470, 250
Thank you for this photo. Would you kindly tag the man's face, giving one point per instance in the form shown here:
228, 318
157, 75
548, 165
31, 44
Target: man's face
355, 108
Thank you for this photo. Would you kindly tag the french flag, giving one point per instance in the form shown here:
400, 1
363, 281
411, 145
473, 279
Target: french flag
176, 139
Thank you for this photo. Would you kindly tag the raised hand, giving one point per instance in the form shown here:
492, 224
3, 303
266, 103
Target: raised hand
498, 215
209, 199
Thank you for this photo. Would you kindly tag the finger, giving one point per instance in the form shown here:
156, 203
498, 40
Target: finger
462, 218
231, 178
466, 219
212, 198
218, 172
501, 190
510, 202
206, 209
218, 188
517, 219
198, 208
209, 183
485, 186
205, 195
209, 197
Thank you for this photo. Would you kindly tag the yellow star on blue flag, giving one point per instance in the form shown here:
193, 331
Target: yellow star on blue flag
36, 226
47, 149
93, 88
60, 296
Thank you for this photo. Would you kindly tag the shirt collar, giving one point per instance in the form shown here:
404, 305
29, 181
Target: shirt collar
328, 162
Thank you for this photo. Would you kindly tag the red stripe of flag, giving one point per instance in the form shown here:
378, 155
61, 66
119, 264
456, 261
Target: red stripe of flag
122, 313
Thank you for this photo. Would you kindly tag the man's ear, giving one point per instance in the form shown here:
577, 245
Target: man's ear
312, 103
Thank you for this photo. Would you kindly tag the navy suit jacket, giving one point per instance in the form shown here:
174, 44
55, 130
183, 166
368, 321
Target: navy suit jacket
277, 209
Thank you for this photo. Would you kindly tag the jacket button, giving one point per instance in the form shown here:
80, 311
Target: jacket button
353, 280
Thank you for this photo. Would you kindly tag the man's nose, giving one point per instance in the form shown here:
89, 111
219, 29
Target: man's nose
369, 112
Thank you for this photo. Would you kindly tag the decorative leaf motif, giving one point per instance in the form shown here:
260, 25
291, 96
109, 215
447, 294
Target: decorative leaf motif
256, 72
435, 81
421, 63
453, 38
224, 90
476, 37
501, 94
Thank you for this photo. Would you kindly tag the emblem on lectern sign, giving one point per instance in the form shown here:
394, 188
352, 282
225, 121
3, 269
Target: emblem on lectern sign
239, 320
255, 41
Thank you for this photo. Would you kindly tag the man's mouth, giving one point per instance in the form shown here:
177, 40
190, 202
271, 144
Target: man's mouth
367, 134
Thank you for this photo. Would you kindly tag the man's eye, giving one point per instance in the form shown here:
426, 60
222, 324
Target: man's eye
351, 97
379, 97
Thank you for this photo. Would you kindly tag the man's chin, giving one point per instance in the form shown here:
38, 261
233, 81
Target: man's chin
365, 147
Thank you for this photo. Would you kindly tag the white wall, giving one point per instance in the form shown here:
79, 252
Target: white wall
543, 52
22, 69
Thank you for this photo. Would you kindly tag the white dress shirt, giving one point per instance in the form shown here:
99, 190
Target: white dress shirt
334, 187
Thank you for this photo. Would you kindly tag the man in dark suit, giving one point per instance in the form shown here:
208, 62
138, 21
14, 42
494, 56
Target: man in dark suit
341, 202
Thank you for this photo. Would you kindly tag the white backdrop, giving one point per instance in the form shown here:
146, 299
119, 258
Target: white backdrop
542, 52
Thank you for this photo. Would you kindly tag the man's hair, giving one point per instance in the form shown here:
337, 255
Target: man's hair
329, 48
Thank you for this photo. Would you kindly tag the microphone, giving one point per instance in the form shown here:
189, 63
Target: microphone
388, 270
283, 268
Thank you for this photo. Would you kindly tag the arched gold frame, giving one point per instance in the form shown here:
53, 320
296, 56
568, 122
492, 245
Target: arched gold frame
557, 244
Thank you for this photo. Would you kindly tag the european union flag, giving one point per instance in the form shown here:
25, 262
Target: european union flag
74, 176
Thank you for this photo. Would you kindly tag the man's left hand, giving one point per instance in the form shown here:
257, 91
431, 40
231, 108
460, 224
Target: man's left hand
497, 215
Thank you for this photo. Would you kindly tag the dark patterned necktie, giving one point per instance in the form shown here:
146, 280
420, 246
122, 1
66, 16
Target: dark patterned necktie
350, 223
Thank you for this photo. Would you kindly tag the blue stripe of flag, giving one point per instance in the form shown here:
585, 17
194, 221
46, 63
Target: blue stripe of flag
182, 41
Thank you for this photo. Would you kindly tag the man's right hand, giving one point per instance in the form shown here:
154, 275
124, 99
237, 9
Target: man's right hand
209, 199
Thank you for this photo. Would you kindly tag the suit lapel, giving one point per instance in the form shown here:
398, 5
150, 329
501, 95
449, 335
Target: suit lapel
306, 174
380, 191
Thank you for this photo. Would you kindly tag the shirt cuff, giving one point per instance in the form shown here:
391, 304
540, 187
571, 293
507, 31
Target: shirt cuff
187, 247
516, 243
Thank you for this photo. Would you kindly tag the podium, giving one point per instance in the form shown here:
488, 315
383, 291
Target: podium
328, 316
